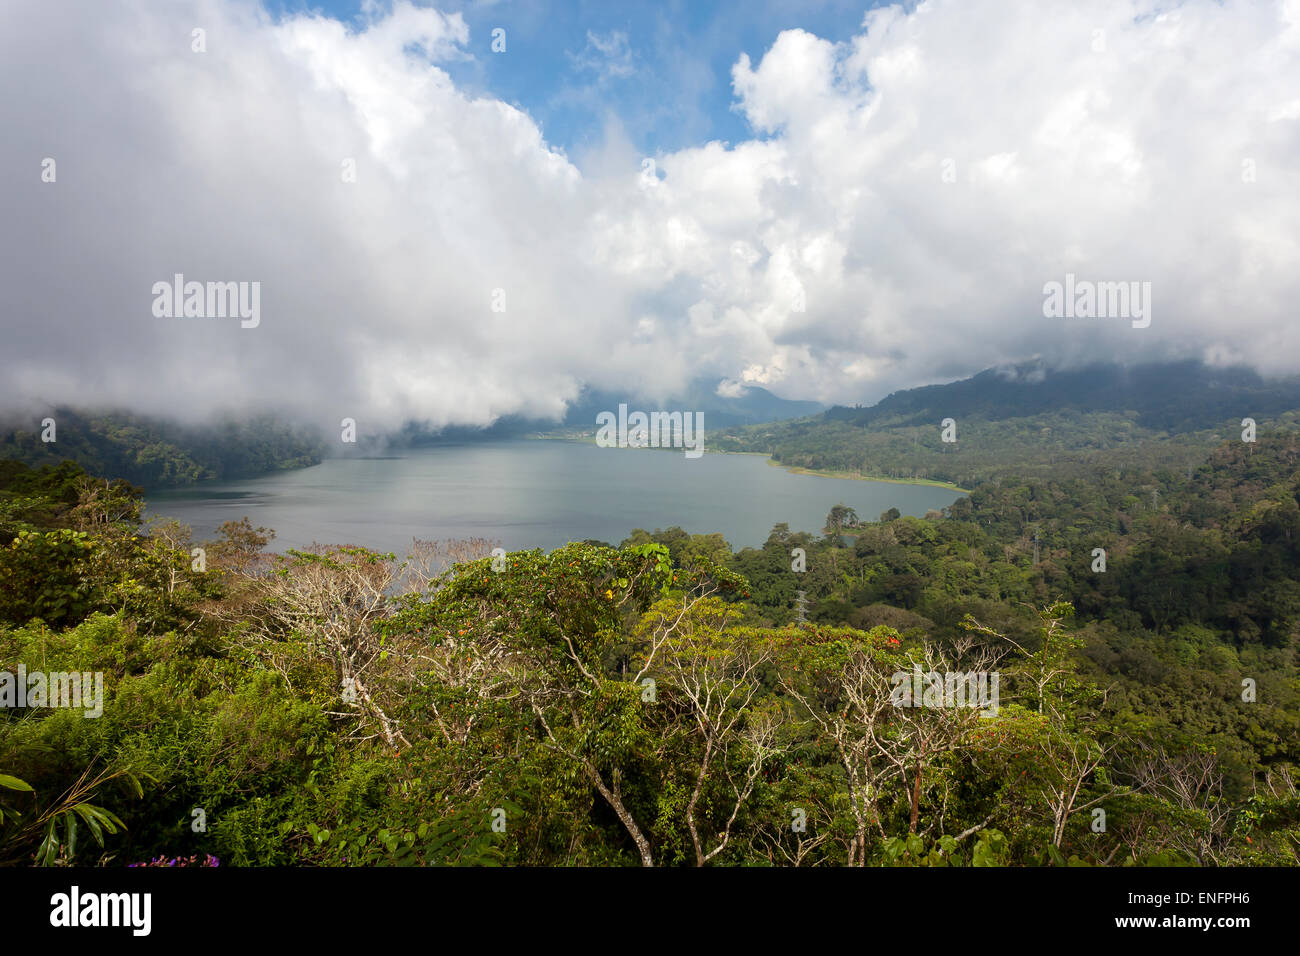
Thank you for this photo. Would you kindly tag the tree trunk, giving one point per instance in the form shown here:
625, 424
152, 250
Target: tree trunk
695, 797
915, 799
615, 800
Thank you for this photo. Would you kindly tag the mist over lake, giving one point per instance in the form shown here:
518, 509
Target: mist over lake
532, 494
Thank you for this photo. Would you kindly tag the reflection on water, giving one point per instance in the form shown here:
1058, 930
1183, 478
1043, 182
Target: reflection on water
533, 494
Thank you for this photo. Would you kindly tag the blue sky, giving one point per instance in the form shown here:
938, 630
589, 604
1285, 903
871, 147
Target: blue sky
661, 70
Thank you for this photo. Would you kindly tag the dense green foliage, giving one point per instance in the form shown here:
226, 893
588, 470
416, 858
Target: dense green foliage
156, 453
656, 702
1029, 423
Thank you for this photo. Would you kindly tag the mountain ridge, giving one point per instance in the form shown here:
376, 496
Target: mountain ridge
1170, 396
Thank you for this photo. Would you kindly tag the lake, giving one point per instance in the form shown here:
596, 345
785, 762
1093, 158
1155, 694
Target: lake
532, 494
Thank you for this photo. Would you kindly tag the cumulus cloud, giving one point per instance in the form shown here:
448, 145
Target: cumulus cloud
903, 200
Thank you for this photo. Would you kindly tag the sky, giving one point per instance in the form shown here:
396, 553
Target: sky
659, 73
457, 211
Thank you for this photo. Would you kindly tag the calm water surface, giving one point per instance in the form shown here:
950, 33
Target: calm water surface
532, 494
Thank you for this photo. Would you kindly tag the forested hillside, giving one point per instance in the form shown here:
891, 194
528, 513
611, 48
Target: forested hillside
157, 453
659, 703
1173, 397
1031, 422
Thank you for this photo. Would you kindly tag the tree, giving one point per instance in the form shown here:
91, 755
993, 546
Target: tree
842, 684
713, 667
840, 518
170, 543
240, 545
331, 601
562, 620
918, 736
104, 505
1070, 773
1192, 781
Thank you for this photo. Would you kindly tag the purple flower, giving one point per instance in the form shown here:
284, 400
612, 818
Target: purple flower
207, 860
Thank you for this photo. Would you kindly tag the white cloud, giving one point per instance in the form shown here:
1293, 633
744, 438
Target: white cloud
1126, 163
608, 55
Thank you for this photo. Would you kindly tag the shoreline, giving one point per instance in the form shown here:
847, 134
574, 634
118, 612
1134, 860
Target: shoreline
793, 469
854, 476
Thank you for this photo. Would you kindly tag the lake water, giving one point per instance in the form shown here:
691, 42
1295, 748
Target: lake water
532, 494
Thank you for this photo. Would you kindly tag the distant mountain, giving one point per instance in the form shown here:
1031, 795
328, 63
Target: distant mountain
1029, 420
1174, 397
750, 405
